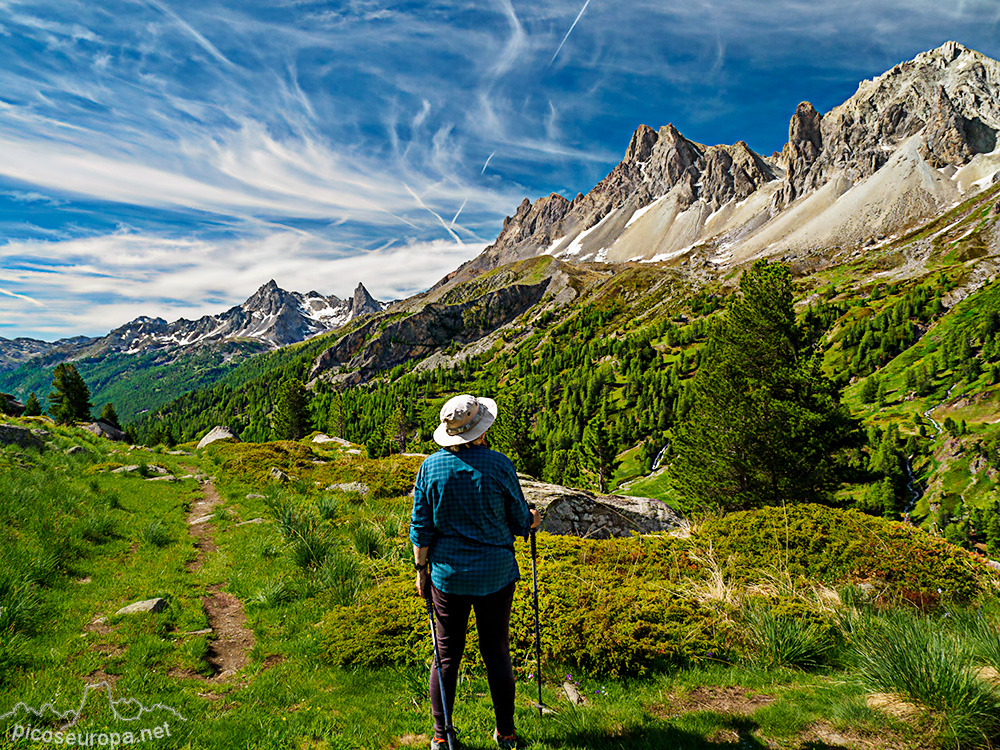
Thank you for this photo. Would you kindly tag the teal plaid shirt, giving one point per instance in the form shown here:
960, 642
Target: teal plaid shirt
467, 507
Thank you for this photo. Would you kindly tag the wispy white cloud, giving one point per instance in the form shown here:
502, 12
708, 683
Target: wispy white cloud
90, 286
317, 130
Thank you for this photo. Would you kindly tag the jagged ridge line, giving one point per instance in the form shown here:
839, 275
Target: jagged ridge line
83, 702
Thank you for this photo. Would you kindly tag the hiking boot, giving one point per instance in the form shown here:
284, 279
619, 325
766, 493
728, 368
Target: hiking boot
505, 743
439, 744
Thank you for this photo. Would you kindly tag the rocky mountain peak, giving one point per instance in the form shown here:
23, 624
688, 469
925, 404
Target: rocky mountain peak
363, 302
908, 143
641, 145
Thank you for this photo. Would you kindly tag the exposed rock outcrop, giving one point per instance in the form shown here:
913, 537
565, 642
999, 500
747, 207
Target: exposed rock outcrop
13, 435
581, 513
377, 346
105, 430
363, 303
10, 405
219, 432
805, 141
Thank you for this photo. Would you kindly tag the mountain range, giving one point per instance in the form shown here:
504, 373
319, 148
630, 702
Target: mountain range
148, 361
893, 185
907, 146
271, 317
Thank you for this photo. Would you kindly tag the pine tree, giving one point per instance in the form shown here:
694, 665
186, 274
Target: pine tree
69, 399
110, 416
764, 424
335, 417
291, 414
32, 407
869, 389
599, 452
512, 433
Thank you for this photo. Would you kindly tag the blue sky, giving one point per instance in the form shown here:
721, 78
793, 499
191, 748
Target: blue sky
167, 157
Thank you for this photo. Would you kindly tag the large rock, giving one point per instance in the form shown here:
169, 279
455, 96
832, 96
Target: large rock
10, 405
585, 514
105, 430
14, 435
218, 432
146, 605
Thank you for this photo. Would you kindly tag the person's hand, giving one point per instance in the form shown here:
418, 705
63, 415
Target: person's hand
536, 519
423, 583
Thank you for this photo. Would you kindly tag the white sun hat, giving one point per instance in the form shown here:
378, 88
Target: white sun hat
463, 419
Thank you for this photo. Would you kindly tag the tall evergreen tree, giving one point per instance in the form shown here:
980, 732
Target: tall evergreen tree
764, 423
290, 419
69, 399
110, 416
32, 407
512, 433
599, 452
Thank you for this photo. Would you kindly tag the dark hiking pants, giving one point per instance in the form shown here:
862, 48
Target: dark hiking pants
493, 625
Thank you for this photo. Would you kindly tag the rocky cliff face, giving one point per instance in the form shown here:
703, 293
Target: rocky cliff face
908, 144
378, 345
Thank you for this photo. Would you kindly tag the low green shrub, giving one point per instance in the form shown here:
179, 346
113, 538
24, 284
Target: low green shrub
830, 545
386, 627
602, 623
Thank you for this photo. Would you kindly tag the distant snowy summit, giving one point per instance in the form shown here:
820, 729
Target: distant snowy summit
271, 316
908, 145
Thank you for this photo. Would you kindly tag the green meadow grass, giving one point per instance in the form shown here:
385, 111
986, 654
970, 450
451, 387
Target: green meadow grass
79, 543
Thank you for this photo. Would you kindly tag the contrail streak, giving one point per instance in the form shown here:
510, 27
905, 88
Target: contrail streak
436, 215
452, 225
487, 163
26, 297
575, 22
198, 37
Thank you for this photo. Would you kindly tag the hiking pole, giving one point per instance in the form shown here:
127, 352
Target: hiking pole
449, 728
538, 636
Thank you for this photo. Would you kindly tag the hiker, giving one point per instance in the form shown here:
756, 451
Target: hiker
467, 509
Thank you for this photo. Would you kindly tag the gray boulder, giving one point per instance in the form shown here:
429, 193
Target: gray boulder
218, 432
580, 513
14, 435
75, 450
278, 474
105, 430
360, 487
10, 405
321, 438
147, 605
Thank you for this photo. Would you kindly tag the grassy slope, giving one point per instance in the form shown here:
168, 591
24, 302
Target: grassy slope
289, 695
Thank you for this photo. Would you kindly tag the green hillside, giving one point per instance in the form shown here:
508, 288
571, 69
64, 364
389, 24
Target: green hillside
135, 383
289, 620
